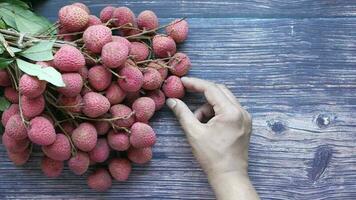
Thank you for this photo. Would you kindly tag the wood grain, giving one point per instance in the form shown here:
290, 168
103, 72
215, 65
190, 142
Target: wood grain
295, 75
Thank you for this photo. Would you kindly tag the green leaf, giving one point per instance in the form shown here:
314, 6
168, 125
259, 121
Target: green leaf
4, 104
4, 62
15, 50
41, 51
48, 74
16, 2
2, 24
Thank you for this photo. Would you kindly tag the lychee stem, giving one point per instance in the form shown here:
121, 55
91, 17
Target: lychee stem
105, 119
13, 79
153, 60
115, 74
18, 74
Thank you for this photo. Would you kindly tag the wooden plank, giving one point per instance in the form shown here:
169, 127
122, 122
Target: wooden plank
296, 77
223, 8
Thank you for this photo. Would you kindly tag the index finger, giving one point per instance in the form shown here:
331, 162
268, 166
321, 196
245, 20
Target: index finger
212, 93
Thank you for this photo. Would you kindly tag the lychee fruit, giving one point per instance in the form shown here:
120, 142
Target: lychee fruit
142, 135
106, 13
19, 158
82, 6
71, 104
152, 79
73, 84
11, 95
139, 51
93, 20
120, 169
102, 127
100, 180
178, 30
158, 97
95, 104
173, 87
59, 150
84, 137
144, 108
14, 146
4, 78
115, 94
132, 79
73, 18
163, 46
79, 164
180, 65
68, 59
84, 72
140, 156
124, 113
147, 20
51, 168
100, 152
32, 107
9, 112
123, 16
41, 131
99, 77
118, 141
114, 54
15, 128
160, 66
123, 40
95, 37
30, 86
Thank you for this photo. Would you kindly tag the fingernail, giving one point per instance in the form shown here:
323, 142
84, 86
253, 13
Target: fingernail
171, 103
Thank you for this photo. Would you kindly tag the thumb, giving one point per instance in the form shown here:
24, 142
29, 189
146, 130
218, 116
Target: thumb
185, 116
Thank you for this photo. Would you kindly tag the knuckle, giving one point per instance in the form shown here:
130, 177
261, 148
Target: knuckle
235, 115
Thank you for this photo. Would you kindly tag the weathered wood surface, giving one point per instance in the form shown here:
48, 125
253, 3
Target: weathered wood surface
297, 77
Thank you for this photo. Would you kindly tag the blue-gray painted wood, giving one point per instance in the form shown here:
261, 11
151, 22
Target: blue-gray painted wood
294, 70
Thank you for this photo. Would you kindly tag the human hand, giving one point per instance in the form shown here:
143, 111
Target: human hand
221, 144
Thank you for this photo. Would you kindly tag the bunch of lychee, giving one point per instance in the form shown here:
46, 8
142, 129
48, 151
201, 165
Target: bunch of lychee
117, 74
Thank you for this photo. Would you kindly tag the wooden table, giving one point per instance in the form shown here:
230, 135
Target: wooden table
293, 66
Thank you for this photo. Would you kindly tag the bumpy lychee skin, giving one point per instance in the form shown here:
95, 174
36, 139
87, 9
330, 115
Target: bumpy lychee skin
115, 94
14, 146
160, 66
9, 112
15, 128
158, 97
79, 164
68, 59
82, 6
178, 30
118, 141
73, 84
19, 158
32, 107
124, 112
84, 72
11, 95
123, 16
71, 104
4, 78
147, 20
163, 46
95, 104
31, 87
73, 18
102, 127
140, 156
123, 40
120, 169
51, 168
99, 77
180, 65
95, 37
106, 13
41, 131
139, 51
100, 180
152, 79
84, 137
100, 152
59, 150
114, 54
93, 20
173, 87
144, 108
142, 135
133, 79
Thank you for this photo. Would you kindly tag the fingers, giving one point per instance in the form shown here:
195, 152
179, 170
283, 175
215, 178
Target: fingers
229, 94
206, 111
186, 118
213, 94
